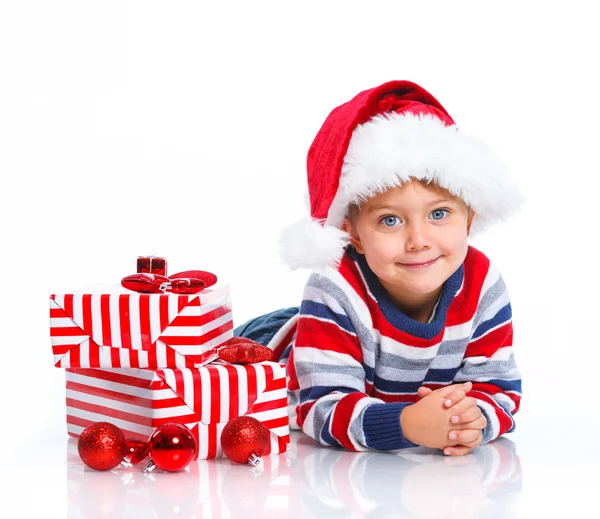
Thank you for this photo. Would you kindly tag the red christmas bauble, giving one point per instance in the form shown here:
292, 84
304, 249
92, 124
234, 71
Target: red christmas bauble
102, 446
171, 447
239, 350
137, 450
244, 440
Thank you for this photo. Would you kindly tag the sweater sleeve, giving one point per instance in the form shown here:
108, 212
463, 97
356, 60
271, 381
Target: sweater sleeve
328, 370
489, 362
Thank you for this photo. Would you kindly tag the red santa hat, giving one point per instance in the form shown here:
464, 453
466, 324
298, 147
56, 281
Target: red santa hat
380, 139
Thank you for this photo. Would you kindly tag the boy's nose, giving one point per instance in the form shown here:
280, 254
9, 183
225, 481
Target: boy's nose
417, 238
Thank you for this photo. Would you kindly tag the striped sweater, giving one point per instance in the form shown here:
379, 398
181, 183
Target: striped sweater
357, 361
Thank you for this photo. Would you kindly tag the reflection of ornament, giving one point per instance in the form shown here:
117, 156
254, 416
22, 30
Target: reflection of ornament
137, 450
208, 277
240, 350
157, 284
245, 492
244, 440
171, 447
173, 496
102, 446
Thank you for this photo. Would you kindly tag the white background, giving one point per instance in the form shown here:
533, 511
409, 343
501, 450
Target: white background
182, 127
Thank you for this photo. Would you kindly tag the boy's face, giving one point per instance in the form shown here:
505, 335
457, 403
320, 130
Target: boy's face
414, 237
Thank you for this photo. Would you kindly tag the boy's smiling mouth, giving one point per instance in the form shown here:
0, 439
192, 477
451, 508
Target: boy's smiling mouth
420, 265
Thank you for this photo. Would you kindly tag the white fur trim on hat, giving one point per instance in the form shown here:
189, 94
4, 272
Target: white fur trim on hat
392, 149
308, 244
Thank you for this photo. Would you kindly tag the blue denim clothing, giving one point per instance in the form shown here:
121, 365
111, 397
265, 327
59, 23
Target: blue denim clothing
262, 329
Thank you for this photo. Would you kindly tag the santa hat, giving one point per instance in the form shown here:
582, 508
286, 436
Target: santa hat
380, 139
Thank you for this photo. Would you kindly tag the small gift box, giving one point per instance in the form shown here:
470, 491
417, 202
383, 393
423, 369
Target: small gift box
152, 265
112, 327
205, 399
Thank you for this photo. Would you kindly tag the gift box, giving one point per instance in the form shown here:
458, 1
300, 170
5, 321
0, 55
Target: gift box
152, 265
205, 399
117, 328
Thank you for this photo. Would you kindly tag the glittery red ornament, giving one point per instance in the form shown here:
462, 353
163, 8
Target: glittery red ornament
238, 340
244, 440
244, 352
102, 446
137, 450
208, 277
171, 447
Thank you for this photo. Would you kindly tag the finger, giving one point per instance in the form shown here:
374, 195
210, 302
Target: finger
466, 403
475, 425
453, 398
457, 450
469, 415
480, 423
457, 394
444, 392
423, 391
465, 436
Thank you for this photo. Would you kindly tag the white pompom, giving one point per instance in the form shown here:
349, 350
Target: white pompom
307, 244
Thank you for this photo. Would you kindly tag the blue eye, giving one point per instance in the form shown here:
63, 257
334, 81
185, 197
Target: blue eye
390, 221
439, 214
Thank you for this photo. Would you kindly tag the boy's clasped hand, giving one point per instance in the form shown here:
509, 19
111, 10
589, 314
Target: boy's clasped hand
444, 418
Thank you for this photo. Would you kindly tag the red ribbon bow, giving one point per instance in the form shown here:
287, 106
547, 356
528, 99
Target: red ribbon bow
188, 282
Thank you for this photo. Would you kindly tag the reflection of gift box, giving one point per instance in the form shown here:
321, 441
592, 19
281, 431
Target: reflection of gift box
123, 329
205, 399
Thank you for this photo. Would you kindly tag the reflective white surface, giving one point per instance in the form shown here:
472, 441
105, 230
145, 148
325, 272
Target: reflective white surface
308, 481
509, 478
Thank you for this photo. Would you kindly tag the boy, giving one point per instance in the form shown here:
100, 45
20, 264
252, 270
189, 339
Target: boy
404, 335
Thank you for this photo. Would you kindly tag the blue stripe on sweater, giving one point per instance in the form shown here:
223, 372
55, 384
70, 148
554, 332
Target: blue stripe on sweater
442, 376
502, 316
315, 392
396, 386
326, 435
506, 385
369, 373
321, 311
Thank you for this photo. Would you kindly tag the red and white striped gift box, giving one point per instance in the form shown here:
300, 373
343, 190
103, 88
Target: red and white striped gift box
130, 330
205, 399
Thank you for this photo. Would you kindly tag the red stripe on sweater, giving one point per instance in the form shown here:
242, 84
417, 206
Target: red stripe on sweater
490, 343
476, 268
325, 335
491, 389
505, 422
342, 416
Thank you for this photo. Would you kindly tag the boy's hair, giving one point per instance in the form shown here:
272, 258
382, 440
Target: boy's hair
354, 208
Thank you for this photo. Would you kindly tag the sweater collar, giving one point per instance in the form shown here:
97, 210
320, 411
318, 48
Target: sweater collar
394, 315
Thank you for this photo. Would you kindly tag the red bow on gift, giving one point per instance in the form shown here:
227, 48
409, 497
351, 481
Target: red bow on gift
241, 350
187, 282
